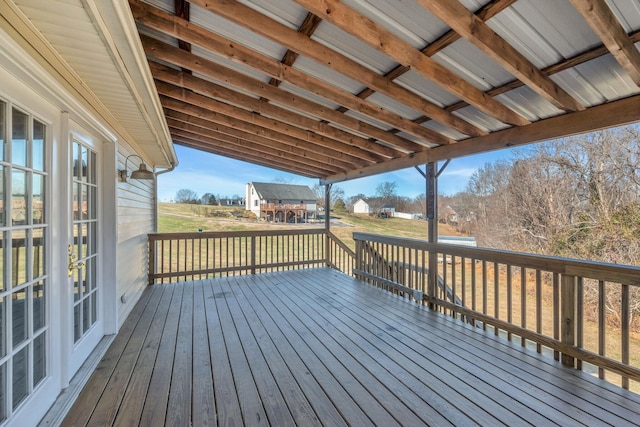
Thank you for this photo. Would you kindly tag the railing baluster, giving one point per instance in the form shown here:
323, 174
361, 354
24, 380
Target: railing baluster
556, 312
484, 292
509, 299
579, 318
625, 316
568, 310
538, 307
473, 289
523, 302
496, 294
602, 325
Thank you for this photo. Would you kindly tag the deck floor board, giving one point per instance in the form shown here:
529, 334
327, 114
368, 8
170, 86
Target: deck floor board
433, 348
316, 347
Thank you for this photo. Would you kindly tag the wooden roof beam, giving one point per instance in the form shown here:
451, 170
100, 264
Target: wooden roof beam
218, 129
174, 55
239, 105
605, 24
581, 58
286, 155
217, 118
269, 28
179, 93
616, 113
472, 28
485, 13
307, 28
386, 42
269, 161
168, 24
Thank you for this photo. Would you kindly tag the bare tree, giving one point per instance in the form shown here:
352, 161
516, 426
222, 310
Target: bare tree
187, 196
336, 194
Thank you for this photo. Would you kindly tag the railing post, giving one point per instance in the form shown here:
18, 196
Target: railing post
568, 308
327, 248
152, 261
327, 222
358, 258
253, 255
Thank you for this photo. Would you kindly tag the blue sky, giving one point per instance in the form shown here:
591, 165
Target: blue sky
207, 173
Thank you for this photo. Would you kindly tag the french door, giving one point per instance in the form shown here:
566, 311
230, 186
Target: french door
24, 276
83, 250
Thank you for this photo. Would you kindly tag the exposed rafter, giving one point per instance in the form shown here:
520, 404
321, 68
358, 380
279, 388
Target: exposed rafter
167, 53
162, 21
267, 27
386, 42
307, 28
248, 94
472, 28
605, 24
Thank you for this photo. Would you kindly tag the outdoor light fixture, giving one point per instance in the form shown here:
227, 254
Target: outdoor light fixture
141, 173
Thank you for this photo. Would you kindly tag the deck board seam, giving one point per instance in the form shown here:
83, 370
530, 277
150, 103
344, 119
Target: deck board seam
279, 336
382, 392
460, 326
327, 357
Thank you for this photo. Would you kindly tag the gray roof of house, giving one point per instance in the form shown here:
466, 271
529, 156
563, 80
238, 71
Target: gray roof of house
283, 191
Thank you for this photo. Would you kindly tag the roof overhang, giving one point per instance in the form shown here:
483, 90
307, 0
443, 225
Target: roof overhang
92, 50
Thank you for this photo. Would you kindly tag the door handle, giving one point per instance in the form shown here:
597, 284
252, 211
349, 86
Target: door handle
73, 264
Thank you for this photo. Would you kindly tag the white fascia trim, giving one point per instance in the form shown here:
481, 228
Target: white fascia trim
22, 65
118, 30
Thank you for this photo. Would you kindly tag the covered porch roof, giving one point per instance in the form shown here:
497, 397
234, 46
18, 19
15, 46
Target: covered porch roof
337, 90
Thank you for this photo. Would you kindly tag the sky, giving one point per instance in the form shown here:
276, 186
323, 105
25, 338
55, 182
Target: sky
224, 177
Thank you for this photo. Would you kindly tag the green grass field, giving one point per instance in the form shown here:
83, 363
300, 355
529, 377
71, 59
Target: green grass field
175, 217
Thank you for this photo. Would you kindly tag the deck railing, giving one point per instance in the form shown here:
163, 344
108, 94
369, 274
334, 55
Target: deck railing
577, 311
192, 256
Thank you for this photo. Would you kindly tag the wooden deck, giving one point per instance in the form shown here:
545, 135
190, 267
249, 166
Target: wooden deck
316, 347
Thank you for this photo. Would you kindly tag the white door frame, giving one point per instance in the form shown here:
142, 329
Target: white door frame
107, 306
27, 85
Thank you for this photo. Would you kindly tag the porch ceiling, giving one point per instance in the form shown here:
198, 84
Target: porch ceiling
339, 90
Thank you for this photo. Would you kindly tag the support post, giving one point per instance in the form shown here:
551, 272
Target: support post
568, 312
327, 222
432, 218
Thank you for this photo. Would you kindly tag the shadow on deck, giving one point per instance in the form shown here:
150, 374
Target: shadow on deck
317, 347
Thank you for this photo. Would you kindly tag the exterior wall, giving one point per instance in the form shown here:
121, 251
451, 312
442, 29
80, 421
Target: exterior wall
405, 215
136, 217
361, 207
252, 202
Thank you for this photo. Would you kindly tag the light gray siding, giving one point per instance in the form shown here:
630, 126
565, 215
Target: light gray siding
136, 217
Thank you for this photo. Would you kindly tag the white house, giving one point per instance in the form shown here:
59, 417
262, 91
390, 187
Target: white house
77, 106
280, 202
361, 206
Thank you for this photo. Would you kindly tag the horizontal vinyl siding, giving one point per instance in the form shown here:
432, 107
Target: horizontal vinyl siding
136, 218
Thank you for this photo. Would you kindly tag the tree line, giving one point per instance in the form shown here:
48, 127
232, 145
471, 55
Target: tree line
577, 197
188, 196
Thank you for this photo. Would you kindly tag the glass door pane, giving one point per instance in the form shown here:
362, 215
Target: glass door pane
24, 324
85, 234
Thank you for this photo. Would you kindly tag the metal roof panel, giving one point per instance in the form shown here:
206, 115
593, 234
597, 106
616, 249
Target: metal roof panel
338, 40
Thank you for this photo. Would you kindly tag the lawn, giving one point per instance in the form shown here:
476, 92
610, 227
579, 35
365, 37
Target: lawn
175, 217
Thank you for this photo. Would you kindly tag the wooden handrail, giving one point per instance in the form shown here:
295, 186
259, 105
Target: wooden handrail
196, 255
593, 269
478, 285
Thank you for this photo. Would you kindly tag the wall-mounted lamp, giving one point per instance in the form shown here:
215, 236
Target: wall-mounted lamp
141, 173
